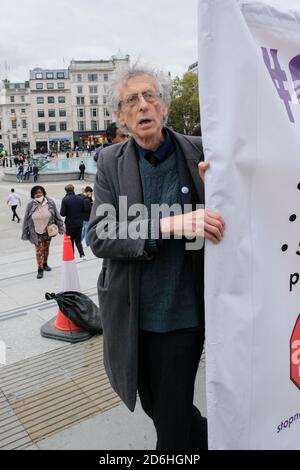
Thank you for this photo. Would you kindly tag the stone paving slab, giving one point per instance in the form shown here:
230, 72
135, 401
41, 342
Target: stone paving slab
51, 392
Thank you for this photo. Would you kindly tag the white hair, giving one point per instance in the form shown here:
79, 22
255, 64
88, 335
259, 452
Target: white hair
123, 75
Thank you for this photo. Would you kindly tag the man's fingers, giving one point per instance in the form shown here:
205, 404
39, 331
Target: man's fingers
214, 216
202, 167
211, 237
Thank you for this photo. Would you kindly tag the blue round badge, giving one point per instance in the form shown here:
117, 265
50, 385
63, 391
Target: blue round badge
185, 190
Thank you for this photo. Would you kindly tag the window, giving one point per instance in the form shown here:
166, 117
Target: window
14, 124
94, 112
60, 74
12, 99
79, 77
49, 75
0, 137
50, 86
42, 127
81, 125
61, 99
38, 76
40, 100
106, 112
80, 90
92, 77
105, 76
41, 113
80, 99
80, 112
93, 89
15, 136
24, 124
24, 136
62, 113
39, 86
23, 111
52, 126
94, 125
12, 111
22, 99
51, 99
93, 99
63, 126
51, 112
104, 99
106, 124
60, 85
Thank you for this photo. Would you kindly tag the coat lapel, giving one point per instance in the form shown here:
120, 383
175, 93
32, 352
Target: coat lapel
129, 176
193, 154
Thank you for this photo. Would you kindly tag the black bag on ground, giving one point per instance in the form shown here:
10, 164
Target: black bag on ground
80, 309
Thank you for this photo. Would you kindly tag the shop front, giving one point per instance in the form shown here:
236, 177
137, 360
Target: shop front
88, 140
60, 144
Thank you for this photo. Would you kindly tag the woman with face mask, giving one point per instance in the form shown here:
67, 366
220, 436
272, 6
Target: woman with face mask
40, 213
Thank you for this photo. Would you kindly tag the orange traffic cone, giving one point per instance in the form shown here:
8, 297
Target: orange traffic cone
61, 327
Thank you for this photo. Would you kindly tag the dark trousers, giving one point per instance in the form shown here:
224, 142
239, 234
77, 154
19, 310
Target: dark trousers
75, 234
81, 175
168, 363
14, 211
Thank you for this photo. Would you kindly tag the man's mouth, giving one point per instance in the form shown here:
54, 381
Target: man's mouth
144, 121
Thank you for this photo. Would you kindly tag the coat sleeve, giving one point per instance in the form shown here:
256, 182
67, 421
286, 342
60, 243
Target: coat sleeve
106, 235
58, 220
25, 228
63, 209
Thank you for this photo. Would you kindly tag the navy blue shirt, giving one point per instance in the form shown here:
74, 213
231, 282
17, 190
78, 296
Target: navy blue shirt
165, 149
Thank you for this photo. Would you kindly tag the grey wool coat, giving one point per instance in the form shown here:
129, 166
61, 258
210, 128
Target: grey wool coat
28, 230
118, 283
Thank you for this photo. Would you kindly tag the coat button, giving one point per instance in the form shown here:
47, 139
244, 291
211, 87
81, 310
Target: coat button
185, 190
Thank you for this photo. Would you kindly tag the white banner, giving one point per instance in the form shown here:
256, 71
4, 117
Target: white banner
249, 74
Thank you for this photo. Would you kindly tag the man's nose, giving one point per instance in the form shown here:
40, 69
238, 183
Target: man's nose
143, 104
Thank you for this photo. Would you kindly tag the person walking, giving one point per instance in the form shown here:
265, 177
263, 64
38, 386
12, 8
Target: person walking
87, 198
35, 172
82, 170
20, 173
41, 212
13, 200
72, 208
151, 286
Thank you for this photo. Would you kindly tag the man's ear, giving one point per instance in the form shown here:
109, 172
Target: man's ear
165, 112
120, 118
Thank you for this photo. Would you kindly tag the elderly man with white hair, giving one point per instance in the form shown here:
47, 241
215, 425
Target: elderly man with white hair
151, 284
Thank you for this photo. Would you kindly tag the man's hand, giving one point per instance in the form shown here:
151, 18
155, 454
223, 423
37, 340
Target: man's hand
202, 167
199, 223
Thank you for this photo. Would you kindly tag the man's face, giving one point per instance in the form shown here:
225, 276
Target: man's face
120, 136
144, 119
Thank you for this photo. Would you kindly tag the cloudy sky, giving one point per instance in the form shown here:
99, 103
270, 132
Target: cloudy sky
49, 33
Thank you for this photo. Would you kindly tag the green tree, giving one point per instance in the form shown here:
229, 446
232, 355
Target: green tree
184, 113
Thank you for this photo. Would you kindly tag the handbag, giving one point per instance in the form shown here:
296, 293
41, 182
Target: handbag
52, 230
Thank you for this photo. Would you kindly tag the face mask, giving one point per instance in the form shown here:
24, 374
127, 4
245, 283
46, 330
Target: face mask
39, 199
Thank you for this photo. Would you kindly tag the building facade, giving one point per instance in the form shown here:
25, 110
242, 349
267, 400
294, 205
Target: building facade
15, 117
51, 110
58, 109
193, 68
89, 84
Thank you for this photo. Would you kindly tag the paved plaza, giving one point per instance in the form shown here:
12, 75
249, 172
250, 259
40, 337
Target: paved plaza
54, 395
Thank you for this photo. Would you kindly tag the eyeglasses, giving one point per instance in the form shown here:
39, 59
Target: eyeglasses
133, 100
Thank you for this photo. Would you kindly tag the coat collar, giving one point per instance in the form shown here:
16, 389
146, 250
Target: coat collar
128, 168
